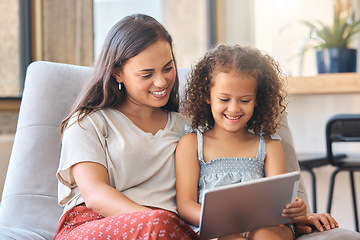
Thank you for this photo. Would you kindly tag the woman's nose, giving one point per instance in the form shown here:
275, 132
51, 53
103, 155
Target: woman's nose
160, 81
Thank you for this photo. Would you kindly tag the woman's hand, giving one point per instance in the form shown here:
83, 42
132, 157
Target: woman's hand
296, 210
317, 220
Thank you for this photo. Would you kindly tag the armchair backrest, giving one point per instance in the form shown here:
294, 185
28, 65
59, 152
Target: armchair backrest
29, 208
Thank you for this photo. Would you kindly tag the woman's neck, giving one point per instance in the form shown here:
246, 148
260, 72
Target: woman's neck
138, 111
148, 119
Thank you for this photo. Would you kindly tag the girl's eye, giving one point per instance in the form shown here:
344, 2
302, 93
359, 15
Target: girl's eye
224, 99
244, 101
168, 69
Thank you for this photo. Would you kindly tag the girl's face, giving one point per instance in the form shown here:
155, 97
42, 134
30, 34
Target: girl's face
149, 76
232, 100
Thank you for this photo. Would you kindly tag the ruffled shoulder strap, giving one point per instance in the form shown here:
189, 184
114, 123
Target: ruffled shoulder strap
262, 149
200, 145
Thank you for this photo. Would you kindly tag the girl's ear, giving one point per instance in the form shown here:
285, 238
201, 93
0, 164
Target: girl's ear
116, 74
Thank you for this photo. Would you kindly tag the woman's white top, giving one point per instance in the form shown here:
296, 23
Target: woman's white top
139, 164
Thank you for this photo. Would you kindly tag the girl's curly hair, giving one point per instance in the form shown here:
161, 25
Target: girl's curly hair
270, 95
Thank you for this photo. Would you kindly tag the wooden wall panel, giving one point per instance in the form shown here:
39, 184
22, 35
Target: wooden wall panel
67, 31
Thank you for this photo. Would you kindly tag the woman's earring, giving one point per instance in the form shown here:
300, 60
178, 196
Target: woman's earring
120, 86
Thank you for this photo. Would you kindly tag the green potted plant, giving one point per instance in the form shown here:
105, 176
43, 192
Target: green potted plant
333, 42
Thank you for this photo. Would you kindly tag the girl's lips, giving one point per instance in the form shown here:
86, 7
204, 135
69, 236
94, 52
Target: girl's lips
233, 117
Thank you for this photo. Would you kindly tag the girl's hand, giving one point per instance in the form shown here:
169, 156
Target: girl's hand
317, 220
296, 210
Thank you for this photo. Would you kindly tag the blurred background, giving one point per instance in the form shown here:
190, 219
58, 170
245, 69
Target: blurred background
72, 31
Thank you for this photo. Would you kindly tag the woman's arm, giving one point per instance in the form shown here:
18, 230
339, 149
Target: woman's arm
187, 170
321, 221
93, 182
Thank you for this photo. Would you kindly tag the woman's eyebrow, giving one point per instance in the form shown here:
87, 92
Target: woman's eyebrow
151, 69
168, 63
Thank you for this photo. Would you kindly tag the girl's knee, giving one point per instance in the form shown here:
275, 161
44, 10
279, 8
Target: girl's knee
273, 233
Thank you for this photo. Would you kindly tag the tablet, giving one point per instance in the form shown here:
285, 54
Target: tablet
245, 206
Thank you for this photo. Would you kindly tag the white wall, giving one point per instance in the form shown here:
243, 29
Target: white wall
307, 116
278, 32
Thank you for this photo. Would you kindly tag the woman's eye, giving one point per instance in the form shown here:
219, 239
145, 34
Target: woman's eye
168, 69
146, 76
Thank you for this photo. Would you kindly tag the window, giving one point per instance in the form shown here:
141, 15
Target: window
109, 12
190, 43
15, 47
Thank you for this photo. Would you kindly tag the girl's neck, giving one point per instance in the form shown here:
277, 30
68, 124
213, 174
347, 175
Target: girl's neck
224, 135
219, 143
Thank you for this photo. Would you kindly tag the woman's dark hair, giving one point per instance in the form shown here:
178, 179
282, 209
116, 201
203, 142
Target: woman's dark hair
270, 95
126, 39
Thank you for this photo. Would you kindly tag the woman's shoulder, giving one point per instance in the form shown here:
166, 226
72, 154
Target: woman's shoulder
85, 118
181, 117
181, 122
92, 121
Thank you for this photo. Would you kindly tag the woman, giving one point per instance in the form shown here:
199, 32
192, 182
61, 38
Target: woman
116, 173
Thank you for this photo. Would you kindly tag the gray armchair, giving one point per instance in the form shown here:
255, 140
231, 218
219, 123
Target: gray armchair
29, 208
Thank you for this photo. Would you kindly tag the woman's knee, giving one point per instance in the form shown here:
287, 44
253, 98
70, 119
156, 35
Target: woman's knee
168, 224
164, 218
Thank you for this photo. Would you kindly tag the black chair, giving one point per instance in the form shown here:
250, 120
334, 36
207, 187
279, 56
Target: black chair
345, 129
309, 161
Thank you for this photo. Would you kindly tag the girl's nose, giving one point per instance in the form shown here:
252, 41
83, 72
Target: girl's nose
234, 106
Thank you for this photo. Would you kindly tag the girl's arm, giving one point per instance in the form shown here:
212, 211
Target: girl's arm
274, 158
187, 170
93, 182
275, 165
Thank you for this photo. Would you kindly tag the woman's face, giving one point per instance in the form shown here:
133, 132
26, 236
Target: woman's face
149, 76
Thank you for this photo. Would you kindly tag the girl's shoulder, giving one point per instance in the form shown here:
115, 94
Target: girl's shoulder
274, 137
190, 137
273, 143
188, 143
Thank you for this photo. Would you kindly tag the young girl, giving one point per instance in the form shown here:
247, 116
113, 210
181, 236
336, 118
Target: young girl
235, 97
116, 172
